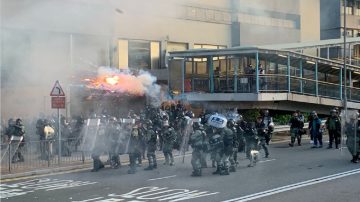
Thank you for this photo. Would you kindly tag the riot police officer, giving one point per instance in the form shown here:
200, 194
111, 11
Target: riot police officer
197, 142
232, 126
169, 138
252, 141
151, 141
19, 131
268, 122
352, 130
228, 139
333, 124
295, 126
216, 142
113, 133
262, 131
134, 148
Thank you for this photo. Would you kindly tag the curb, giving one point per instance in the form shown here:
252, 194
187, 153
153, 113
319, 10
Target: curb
45, 171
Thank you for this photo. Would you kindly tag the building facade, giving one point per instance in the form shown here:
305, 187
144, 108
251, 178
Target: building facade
332, 25
47, 40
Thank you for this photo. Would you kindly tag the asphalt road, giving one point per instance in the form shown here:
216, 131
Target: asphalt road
290, 174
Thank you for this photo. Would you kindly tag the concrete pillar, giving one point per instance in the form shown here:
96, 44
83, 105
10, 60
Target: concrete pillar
328, 53
236, 69
301, 76
210, 65
340, 83
288, 74
183, 77
316, 80
192, 74
257, 72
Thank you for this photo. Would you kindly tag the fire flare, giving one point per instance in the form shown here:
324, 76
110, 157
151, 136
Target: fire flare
116, 81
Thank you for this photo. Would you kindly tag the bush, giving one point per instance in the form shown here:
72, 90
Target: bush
251, 115
282, 119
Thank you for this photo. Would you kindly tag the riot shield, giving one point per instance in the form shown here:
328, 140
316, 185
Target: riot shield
13, 146
349, 120
127, 132
185, 136
90, 135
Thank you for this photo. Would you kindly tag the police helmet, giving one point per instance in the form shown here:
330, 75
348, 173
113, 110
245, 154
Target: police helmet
190, 114
333, 111
230, 123
265, 112
197, 125
18, 121
166, 124
11, 122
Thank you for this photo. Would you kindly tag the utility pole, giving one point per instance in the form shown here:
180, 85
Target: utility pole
344, 57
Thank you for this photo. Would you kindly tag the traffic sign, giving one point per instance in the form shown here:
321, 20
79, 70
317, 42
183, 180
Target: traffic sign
58, 102
57, 90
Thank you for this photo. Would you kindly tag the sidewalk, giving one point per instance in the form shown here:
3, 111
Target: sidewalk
34, 166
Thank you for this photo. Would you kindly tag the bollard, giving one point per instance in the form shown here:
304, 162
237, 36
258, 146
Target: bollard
48, 152
10, 158
82, 157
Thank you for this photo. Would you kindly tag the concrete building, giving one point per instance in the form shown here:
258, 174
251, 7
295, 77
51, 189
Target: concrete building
47, 40
332, 26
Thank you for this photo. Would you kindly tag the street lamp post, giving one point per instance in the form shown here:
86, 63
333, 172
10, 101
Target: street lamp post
344, 57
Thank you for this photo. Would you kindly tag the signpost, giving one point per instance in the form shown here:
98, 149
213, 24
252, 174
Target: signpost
58, 102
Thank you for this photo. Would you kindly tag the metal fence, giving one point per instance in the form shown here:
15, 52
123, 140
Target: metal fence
40, 154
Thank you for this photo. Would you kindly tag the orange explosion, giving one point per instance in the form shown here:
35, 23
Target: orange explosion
120, 83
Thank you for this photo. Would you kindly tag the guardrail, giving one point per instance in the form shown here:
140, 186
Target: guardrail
285, 128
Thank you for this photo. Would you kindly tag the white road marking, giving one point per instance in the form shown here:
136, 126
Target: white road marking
266, 160
171, 176
294, 186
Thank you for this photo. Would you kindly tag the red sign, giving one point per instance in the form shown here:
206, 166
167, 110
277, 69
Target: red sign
58, 102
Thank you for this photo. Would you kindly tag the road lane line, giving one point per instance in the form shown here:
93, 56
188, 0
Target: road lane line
264, 161
294, 186
171, 176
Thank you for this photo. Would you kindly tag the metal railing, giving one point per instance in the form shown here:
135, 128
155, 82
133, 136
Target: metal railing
40, 154
270, 83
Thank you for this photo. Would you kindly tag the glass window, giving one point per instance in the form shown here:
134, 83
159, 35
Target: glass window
357, 8
208, 46
155, 55
123, 51
139, 54
175, 46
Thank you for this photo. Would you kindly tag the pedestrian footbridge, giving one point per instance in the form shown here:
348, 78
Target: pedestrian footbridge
259, 77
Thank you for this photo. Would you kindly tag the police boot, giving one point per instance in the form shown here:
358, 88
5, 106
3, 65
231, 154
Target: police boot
213, 164
232, 168
355, 159
154, 166
166, 160
149, 168
172, 161
217, 172
225, 171
21, 157
131, 171
96, 166
196, 173
299, 142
